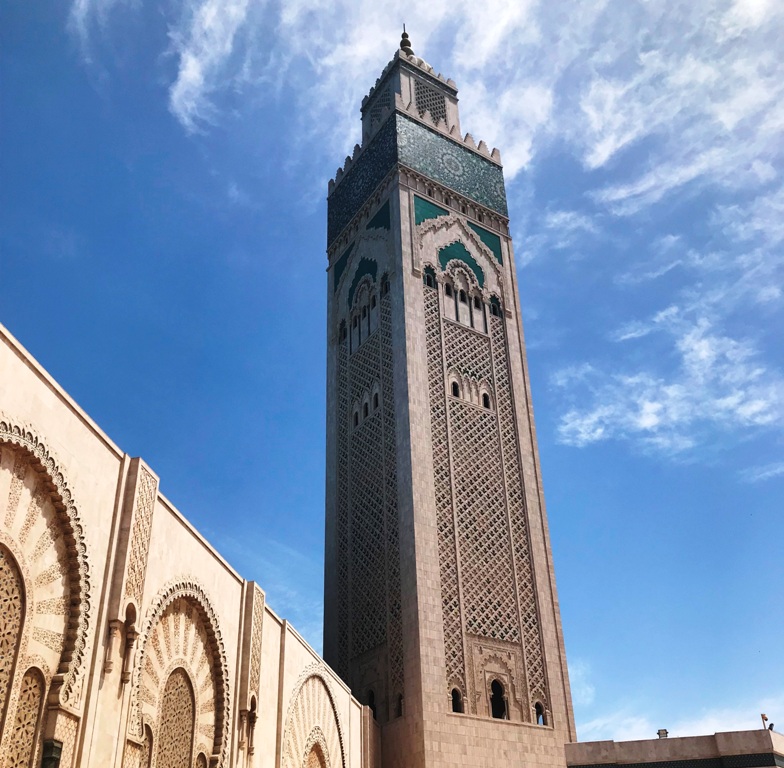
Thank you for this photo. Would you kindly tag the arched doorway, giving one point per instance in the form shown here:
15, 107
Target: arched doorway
177, 720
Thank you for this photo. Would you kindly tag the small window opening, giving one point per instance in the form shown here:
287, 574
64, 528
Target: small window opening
371, 700
539, 709
364, 312
429, 192
384, 286
373, 301
448, 290
462, 209
481, 217
455, 389
375, 401
399, 707
365, 411
356, 418
486, 400
429, 280
342, 334
477, 303
497, 702
457, 700
354, 322
463, 297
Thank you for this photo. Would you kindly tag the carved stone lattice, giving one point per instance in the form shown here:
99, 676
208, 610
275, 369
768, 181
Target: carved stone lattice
175, 731
24, 734
255, 640
140, 536
11, 619
382, 99
532, 633
429, 99
447, 559
312, 721
368, 579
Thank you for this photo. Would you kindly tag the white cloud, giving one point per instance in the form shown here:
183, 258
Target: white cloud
583, 690
765, 472
625, 725
720, 383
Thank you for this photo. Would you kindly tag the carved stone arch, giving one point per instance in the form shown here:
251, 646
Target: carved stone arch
371, 246
313, 718
40, 522
316, 750
436, 234
181, 629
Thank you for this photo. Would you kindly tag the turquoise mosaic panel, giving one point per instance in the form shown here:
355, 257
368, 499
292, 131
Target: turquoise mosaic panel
459, 251
450, 164
492, 241
424, 210
382, 219
340, 267
365, 267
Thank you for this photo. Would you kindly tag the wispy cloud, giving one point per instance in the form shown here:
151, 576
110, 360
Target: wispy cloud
720, 383
765, 472
627, 725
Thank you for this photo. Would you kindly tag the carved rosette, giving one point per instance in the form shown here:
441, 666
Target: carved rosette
181, 633
40, 526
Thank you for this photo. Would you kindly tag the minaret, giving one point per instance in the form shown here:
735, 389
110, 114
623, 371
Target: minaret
440, 604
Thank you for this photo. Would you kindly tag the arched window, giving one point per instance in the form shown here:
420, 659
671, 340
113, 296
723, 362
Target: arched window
455, 389
201, 760
463, 297
371, 700
177, 719
497, 701
27, 720
495, 307
384, 285
373, 301
342, 333
457, 700
375, 401
365, 411
399, 707
477, 303
539, 709
356, 418
448, 290
364, 312
146, 758
486, 400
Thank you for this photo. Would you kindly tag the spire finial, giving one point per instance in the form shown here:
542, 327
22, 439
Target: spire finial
405, 43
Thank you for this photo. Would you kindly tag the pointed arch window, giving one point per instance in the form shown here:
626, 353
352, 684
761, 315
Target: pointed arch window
498, 701
457, 700
455, 389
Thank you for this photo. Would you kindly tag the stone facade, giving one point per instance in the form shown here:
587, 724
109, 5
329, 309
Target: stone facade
440, 603
127, 641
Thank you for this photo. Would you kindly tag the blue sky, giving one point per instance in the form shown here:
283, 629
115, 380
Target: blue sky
162, 236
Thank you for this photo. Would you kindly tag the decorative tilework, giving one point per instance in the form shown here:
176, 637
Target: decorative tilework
365, 267
492, 241
340, 267
459, 251
361, 179
450, 164
424, 210
381, 220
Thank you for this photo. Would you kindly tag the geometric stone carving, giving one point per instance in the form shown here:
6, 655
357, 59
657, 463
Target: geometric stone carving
176, 725
139, 542
313, 736
11, 619
25, 731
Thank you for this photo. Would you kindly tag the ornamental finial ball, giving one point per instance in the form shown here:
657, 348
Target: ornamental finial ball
405, 43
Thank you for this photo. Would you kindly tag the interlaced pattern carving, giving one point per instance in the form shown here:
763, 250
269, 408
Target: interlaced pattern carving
382, 99
450, 595
368, 559
428, 99
11, 618
532, 633
175, 732
487, 473
140, 537
28, 710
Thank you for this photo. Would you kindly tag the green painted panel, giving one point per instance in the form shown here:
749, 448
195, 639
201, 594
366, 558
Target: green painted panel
381, 220
459, 251
424, 210
492, 241
365, 267
340, 267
